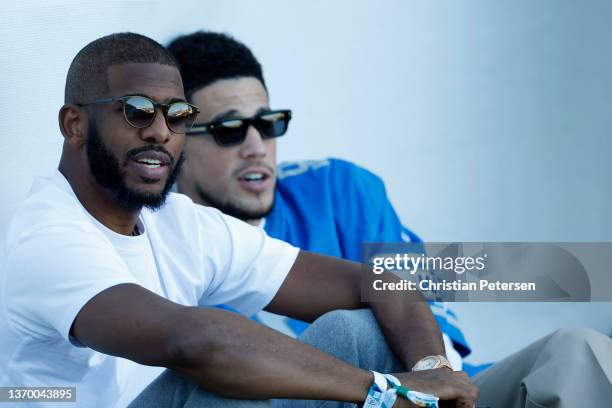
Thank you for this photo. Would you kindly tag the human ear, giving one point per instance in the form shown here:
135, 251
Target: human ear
73, 124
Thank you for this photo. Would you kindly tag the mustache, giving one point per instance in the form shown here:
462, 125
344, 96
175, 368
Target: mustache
150, 148
266, 166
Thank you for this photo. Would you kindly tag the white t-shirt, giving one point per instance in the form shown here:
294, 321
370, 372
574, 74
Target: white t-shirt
57, 257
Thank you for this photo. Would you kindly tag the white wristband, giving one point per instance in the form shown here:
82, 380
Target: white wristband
419, 399
378, 394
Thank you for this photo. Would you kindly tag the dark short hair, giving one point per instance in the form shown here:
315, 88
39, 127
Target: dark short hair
205, 57
87, 77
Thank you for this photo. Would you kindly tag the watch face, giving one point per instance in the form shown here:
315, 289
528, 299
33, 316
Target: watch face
431, 362
428, 363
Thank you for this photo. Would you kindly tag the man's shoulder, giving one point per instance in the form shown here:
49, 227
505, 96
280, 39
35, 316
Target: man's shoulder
48, 205
325, 192
179, 207
180, 217
326, 171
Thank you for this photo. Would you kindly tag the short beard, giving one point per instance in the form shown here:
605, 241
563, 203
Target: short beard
104, 167
235, 210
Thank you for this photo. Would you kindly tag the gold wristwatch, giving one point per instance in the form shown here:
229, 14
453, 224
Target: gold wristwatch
431, 362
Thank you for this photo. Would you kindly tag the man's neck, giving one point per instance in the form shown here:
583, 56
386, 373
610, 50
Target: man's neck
99, 202
259, 222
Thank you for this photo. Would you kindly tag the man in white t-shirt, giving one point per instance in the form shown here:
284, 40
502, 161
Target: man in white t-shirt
107, 276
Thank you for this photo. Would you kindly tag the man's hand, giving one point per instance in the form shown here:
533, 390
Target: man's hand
451, 386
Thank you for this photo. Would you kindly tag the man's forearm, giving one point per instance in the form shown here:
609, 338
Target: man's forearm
409, 326
221, 351
318, 284
233, 356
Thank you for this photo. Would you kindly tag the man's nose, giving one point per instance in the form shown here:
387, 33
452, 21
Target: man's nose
158, 131
253, 145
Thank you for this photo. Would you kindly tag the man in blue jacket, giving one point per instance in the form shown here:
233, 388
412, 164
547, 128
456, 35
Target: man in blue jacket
328, 206
332, 206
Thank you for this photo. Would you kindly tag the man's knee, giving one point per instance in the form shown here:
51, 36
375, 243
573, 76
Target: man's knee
578, 348
348, 322
355, 337
571, 337
352, 331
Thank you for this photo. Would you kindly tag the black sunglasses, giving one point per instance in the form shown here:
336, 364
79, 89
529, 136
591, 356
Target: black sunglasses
228, 132
139, 112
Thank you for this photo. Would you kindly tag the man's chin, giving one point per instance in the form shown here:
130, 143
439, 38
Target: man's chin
148, 189
254, 208
245, 208
136, 200
152, 196
256, 213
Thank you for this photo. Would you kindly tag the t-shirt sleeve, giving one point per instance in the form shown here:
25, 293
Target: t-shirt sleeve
248, 266
52, 272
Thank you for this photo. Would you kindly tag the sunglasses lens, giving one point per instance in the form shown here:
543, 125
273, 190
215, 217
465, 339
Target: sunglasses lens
180, 117
273, 124
139, 111
229, 132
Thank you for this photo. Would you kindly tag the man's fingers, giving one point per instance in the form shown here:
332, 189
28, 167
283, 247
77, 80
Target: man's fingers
468, 394
458, 387
454, 387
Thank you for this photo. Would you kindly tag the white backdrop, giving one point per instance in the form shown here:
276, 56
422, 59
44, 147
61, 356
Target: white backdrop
489, 120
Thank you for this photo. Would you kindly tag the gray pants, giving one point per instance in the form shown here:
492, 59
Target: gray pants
569, 368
